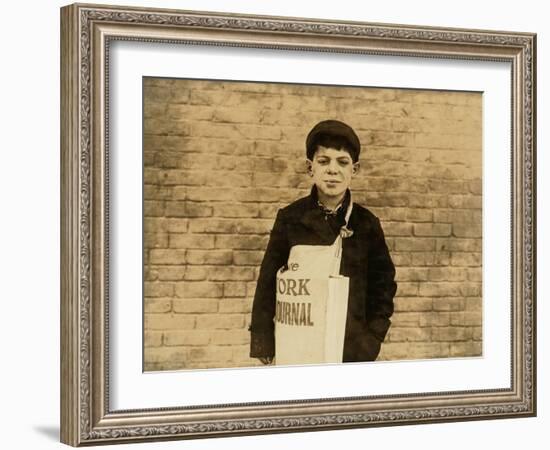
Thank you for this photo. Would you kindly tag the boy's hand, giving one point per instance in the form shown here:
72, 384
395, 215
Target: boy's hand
266, 359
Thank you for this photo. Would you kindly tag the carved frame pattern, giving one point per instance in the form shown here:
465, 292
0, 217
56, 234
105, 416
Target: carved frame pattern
78, 395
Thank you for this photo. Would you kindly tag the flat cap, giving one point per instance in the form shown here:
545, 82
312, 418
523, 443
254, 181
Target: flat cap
330, 129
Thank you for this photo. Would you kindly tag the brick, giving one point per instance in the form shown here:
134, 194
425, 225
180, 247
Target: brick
149, 273
177, 225
219, 321
234, 289
192, 241
188, 209
157, 305
440, 289
397, 229
271, 179
234, 162
414, 350
184, 110
168, 322
203, 194
166, 128
474, 304
241, 242
195, 305
470, 289
447, 141
247, 258
156, 193
157, 289
210, 257
269, 210
447, 274
181, 178
466, 319
457, 216
186, 338
451, 334
386, 199
446, 186
432, 229
235, 305
406, 289
241, 354
213, 226
229, 179
475, 274
409, 334
459, 245
464, 349
475, 187
245, 210
472, 230
254, 226
477, 333
430, 258
406, 319
230, 337
231, 273
167, 257
462, 259
153, 109
435, 319
234, 115
415, 244
418, 215
154, 224
171, 273
153, 208
152, 339
174, 357
411, 304
415, 274
465, 201
427, 201
217, 354
401, 259
448, 304
195, 273
155, 240
467, 158
199, 289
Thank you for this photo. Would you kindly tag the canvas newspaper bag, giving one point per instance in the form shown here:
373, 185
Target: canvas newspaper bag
312, 303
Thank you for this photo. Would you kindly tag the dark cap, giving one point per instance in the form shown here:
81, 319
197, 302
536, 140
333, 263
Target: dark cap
329, 132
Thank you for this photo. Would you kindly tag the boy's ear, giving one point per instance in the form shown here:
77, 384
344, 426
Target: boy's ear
309, 168
356, 167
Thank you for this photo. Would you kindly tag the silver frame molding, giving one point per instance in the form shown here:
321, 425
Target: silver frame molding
86, 31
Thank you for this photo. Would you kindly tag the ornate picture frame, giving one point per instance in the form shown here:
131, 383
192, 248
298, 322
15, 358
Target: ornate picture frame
87, 413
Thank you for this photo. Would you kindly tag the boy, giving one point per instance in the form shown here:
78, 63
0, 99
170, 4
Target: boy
332, 150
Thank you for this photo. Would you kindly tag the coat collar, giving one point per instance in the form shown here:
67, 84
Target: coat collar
314, 218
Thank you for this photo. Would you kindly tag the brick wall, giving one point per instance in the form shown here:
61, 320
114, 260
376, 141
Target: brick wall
222, 157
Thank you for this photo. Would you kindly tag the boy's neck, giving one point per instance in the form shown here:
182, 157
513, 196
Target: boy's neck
330, 202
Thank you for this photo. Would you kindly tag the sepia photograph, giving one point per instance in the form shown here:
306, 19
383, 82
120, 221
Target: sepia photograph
281, 224
291, 224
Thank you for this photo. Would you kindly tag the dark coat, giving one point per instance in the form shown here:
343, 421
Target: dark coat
365, 260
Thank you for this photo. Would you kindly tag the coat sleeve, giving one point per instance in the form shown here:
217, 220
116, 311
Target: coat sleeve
381, 286
262, 327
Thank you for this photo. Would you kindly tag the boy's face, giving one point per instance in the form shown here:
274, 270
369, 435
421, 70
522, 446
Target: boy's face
332, 171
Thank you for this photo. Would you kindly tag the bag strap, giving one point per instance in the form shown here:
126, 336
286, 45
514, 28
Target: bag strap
345, 232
